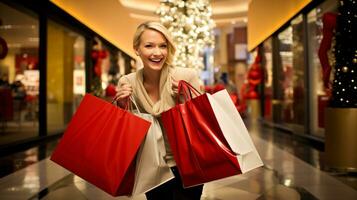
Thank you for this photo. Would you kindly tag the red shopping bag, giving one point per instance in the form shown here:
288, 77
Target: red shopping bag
200, 149
100, 145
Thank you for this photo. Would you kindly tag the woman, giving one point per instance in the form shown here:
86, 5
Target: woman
154, 88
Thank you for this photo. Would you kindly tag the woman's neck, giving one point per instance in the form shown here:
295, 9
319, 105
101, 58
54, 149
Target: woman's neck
151, 82
151, 77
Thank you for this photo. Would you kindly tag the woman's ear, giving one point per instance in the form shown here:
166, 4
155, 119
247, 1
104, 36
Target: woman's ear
136, 51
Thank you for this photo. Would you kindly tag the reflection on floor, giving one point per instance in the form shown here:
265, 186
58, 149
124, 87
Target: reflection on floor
17, 161
12, 132
284, 176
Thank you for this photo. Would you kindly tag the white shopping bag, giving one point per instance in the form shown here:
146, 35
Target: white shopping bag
234, 130
151, 168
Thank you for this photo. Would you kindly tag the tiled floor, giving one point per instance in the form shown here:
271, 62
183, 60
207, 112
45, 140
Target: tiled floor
292, 171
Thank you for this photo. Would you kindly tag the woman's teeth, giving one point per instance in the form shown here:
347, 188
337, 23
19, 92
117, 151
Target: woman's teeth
155, 60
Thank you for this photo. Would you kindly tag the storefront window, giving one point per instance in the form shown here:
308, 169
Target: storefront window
110, 73
268, 78
19, 74
298, 73
318, 99
109, 64
101, 62
65, 75
292, 71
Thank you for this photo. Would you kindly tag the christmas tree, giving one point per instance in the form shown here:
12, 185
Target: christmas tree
344, 88
191, 26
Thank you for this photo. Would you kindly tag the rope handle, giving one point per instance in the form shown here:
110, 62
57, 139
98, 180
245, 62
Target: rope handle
129, 104
187, 91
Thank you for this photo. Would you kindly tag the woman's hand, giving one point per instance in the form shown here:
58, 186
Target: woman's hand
124, 92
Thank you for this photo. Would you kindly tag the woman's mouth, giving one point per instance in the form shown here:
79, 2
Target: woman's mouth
156, 60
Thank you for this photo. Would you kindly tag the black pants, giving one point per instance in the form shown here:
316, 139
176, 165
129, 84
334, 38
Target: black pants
173, 190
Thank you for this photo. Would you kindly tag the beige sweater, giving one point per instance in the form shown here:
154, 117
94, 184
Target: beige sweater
167, 98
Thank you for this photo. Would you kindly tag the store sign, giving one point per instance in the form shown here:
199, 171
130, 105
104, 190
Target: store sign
79, 82
32, 82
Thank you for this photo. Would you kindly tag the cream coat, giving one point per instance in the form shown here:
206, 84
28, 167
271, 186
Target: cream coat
167, 99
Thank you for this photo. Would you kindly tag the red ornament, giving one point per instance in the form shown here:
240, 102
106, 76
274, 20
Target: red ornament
110, 91
254, 77
98, 69
103, 54
252, 95
329, 24
95, 54
98, 56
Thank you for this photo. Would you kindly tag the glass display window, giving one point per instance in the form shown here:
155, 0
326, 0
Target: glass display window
65, 75
19, 74
290, 76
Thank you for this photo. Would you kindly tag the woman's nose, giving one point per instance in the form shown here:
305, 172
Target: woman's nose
157, 51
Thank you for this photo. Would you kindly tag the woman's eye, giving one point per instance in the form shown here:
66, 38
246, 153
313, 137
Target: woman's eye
148, 45
163, 46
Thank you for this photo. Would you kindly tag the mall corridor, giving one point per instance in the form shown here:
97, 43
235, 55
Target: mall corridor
289, 67
293, 170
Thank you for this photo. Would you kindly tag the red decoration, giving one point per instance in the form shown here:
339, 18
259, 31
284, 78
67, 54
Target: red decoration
94, 54
98, 56
329, 24
110, 91
27, 62
255, 77
3, 48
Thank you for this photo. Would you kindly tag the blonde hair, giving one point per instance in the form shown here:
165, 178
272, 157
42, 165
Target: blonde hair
156, 26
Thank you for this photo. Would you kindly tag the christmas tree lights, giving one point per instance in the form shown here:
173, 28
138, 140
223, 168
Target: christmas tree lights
344, 88
191, 26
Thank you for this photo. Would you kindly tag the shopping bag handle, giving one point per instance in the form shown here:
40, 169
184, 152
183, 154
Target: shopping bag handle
186, 89
115, 102
133, 102
129, 104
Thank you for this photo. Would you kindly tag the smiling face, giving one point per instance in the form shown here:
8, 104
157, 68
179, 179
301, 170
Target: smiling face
152, 49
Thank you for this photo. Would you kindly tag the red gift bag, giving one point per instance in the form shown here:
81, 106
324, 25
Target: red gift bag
100, 145
200, 149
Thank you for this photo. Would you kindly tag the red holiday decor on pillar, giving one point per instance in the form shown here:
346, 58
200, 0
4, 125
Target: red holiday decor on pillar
254, 76
98, 56
329, 24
